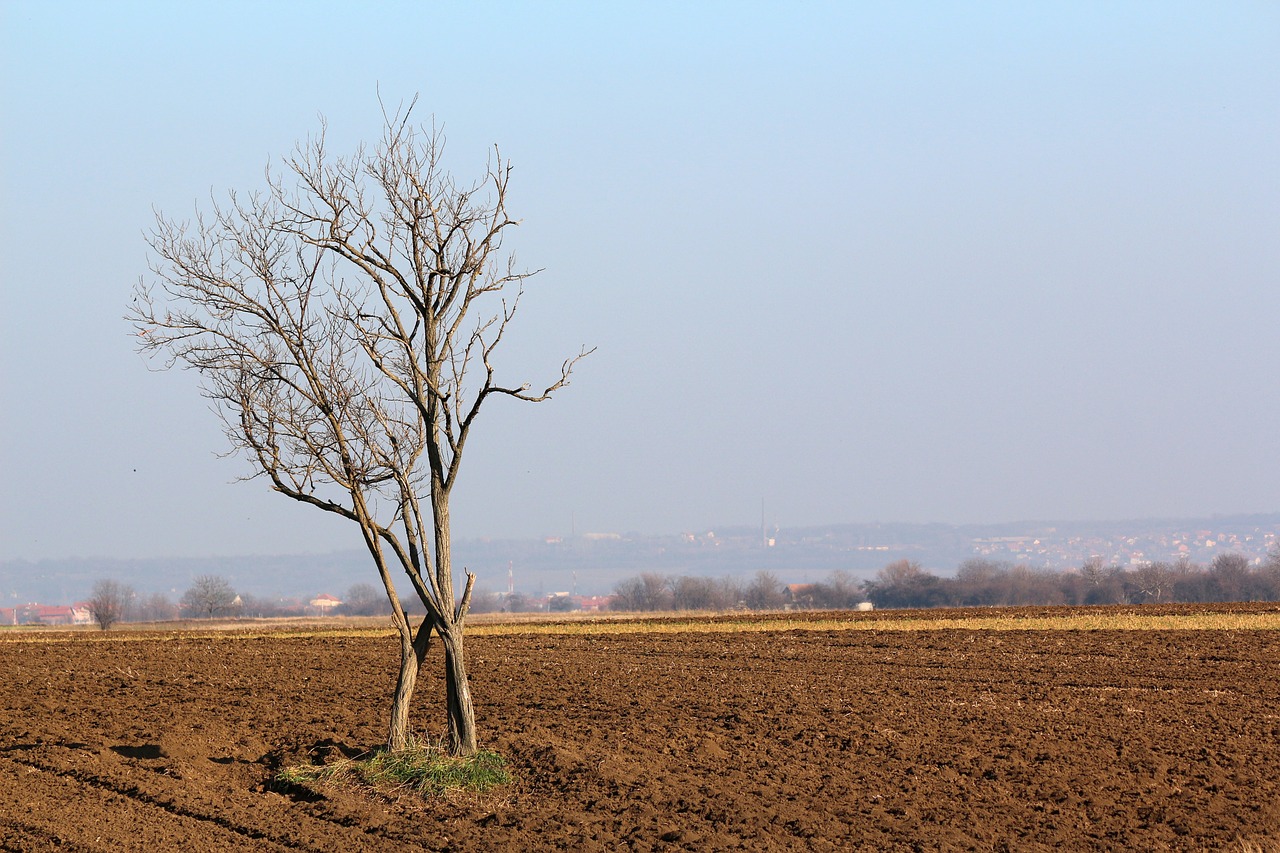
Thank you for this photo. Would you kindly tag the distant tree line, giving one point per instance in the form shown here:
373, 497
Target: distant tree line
901, 584
977, 583
112, 601
651, 591
213, 597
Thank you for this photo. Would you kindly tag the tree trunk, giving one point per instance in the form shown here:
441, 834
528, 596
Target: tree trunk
462, 714
412, 651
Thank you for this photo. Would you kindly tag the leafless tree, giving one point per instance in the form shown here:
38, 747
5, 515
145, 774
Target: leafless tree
364, 599
648, 592
484, 601
980, 581
840, 591
110, 602
1154, 581
695, 593
652, 591
1269, 574
1104, 584
765, 592
1229, 574
344, 321
905, 583
208, 596
157, 608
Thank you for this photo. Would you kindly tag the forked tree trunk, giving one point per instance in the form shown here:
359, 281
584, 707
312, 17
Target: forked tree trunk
462, 714
413, 649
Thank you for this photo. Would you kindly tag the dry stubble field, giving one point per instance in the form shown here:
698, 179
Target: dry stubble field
820, 733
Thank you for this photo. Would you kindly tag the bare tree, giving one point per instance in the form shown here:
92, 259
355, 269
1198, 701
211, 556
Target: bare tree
765, 592
484, 601
364, 599
110, 602
1229, 574
979, 581
904, 583
652, 591
209, 596
648, 592
156, 608
840, 591
1104, 584
695, 593
344, 322
1269, 574
1154, 581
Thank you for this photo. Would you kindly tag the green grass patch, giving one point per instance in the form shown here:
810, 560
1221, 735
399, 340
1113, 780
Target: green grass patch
424, 770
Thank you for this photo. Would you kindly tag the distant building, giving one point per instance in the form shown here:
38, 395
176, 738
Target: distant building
47, 614
324, 604
802, 594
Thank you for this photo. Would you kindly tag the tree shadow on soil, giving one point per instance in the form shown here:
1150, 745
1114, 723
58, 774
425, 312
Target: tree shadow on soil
147, 751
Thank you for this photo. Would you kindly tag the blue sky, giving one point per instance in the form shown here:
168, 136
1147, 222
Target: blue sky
883, 261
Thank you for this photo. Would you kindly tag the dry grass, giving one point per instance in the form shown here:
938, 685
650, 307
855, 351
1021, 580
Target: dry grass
1081, 622
1263, 846
425, 770
493, 625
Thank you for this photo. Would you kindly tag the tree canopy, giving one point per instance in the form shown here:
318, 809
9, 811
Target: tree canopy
345, 320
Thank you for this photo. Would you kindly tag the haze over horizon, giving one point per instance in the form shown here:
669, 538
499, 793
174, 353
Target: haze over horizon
733, 530
959, 264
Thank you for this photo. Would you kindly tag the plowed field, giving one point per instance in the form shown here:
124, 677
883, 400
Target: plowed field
774, 740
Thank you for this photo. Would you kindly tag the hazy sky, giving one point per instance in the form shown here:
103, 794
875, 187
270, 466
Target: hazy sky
867, 261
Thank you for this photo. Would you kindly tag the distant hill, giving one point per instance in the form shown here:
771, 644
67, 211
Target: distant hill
594, 563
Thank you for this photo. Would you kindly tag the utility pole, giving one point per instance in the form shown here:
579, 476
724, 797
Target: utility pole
764, 536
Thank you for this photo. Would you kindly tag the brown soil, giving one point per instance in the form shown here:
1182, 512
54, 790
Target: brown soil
808, 740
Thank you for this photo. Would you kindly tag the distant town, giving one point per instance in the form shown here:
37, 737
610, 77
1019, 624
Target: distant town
587, 568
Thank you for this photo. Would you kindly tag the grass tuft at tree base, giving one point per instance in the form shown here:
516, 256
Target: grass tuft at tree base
426, 770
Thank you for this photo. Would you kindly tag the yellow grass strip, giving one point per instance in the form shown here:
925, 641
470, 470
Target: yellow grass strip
494, 625
1082, 622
